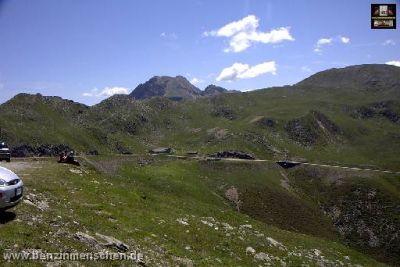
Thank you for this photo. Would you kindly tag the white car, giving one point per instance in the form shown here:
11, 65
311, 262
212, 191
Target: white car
11, 189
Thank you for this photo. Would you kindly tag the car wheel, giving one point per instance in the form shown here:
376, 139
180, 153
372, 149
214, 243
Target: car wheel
8, 160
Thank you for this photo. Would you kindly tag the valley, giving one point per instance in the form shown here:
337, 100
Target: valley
187, 207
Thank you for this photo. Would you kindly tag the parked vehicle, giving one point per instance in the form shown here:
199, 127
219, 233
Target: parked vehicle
11, 189
5, 152
68, 157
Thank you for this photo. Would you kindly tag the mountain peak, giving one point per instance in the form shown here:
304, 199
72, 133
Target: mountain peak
176, 88
366, 76
214, 90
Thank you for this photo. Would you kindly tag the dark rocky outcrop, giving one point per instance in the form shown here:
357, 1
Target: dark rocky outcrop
122, 148
25, 150
224, 112
232, 154
383, 109
362, 211
313, 127
266, 123
93, 152
301, 132
366, 217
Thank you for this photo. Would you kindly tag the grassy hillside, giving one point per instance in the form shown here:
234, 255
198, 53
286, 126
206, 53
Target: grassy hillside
343, 125
171, 211
325, 119
36, 120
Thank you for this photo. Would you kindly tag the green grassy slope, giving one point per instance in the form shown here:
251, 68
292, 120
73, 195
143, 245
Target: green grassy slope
360, 140
36, 120
229, 121
171, 211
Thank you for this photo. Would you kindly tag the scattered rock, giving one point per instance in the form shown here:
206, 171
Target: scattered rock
161, 150
207, 223
317, 252
261, 256
274, 243
232, 195
182, 221
250, 250
113, 242
108, 241
37, 200
227, 226
184, 261
76, 171
87, 239
27, 201
224, 112
218, 134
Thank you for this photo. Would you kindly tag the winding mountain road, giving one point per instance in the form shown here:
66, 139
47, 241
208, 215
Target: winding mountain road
22, 163
300, 163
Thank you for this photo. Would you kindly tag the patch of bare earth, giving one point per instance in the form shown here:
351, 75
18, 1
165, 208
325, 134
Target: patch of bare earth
20, 166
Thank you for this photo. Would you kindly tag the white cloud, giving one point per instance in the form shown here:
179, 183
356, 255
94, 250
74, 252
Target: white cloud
306, 69
89, 94
243, 40
328, 41
389, 42
106, 92
195, 81
344, 40
243, 33
246, 24
394, 63
324, 41
244, 71
321, 42
169, 35
317, 50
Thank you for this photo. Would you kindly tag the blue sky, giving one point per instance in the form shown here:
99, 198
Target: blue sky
85, 50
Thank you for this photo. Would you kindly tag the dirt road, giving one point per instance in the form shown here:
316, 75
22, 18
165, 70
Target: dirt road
19, 166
